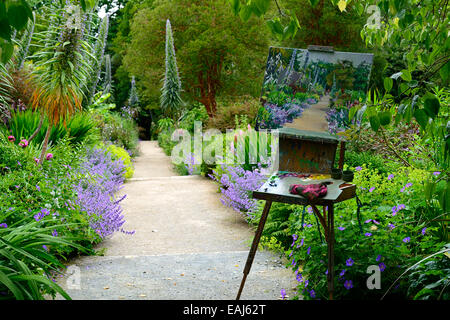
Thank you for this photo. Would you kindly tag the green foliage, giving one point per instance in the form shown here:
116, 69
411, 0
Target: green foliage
97, 60
120, 153
371, 160
429, 280
14, 16
216, 56
114, 128
326, 25
398, 229
108, 83
81, 128
228, 112
197, 113
165, 124
133, 100
25, 44
25, 265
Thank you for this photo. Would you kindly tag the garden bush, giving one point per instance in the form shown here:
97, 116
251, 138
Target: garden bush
397, 230
80, 128
121, 131
67, 204
230, 113
120, 153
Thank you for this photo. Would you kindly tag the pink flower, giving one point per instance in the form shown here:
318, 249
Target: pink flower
36, 160
23, 143
49, 156
11, 138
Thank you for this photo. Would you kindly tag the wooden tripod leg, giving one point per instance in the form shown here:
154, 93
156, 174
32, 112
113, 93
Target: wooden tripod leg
330, 243
254, 247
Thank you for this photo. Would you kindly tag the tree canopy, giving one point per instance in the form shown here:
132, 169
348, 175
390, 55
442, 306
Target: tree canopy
216, 52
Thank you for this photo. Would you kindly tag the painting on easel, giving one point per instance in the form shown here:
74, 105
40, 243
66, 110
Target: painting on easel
312, 90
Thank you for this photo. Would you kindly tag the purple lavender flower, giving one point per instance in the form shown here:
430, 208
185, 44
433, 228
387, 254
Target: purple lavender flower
348, 284
237, 187
45, 247
409, 184
312, 293
407, 239
391, 226
436, 173
424, 230
283, 294
3, 225
378, 258
301, 243
96, 196
368, 234
54, 233
382, 266
309, 250
371, 189
349, 262
299, 277
358, 168
341, 228
390, 177
342, 273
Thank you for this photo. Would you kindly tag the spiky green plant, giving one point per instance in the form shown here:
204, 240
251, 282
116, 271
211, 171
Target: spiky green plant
133, 100
25, 41
96, 63
59, 76
171, 90
25, 265
5, 86
107, 83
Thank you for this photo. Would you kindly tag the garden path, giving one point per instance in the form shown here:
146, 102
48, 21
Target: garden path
186, 245
313, 118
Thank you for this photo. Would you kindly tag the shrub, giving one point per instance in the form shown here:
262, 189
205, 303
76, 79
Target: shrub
80, 128
120, 131
26, 264
227, 112
397, 230
96, 192
236, 186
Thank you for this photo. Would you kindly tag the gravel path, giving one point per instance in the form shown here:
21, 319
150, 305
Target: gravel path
186, 245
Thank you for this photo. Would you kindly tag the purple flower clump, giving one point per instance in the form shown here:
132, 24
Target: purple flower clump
96, 193
237, 184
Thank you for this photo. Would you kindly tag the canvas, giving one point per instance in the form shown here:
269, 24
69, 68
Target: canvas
312, 90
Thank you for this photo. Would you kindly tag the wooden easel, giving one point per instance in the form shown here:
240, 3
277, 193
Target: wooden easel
314, 147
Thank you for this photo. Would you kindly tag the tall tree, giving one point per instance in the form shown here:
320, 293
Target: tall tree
324, 24
216, 53
171, 90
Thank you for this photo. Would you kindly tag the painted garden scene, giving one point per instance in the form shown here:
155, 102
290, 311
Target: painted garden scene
193, 150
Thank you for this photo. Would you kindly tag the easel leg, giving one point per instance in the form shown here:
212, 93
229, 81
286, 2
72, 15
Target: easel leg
254, 247
330, 242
